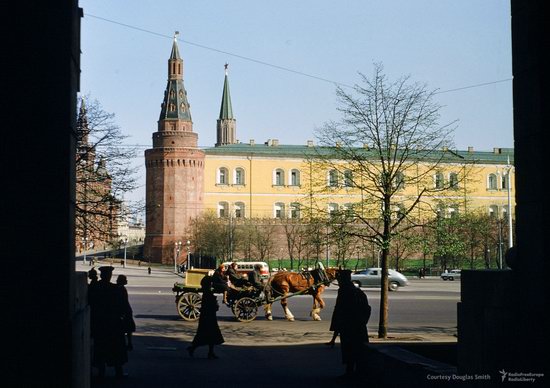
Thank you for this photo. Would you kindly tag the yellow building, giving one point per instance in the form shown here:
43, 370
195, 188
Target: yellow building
272, 180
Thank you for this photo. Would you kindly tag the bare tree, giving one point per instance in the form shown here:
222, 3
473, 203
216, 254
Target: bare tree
294, 232
103, 174
263, 238
209, 234
388, 148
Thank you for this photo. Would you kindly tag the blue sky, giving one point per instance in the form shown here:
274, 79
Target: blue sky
446, 44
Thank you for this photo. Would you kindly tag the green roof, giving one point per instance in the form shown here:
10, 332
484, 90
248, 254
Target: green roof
498, 156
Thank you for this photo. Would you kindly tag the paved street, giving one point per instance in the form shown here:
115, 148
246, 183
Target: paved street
262, 353
426, 309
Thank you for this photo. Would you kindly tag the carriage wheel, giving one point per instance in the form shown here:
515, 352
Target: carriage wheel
245, 309
189, 306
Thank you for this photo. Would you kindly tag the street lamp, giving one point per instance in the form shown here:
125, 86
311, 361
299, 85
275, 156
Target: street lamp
188, 253
85, 242
508, 185
124, 241
125, 245
177, 247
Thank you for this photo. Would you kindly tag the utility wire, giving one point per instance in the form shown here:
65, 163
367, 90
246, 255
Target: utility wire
474, 86
224, 52
271, 64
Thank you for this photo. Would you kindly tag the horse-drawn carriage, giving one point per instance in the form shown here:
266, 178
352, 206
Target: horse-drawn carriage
245, 301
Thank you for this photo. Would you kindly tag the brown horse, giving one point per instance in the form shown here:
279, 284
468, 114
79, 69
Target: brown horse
283, 283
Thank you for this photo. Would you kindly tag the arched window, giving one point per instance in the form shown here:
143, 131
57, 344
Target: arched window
493, 211
348, 178
453, 180
505, 211
504, 182
333, 178
239, 176
222, 176
279, 177
398, 211
440, 211
279, 210
399, 181
239, 210
439, 180
332, 209
223, 209
492, 182
295, 177
295, 210
348, 209
453, 211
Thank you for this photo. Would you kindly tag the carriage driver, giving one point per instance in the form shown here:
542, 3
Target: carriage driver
254, 277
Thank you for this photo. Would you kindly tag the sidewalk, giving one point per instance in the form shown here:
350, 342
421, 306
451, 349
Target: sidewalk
160, 361
256, 355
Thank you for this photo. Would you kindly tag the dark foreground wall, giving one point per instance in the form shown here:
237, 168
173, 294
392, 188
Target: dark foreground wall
43, 300
502, 323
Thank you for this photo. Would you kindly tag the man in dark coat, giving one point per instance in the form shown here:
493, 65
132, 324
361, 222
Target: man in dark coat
107, 305
255, 278
350, 317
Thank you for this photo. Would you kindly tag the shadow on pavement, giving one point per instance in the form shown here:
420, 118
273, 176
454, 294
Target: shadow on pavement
158, 361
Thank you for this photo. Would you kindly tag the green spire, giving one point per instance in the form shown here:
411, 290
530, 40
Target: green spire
226, 110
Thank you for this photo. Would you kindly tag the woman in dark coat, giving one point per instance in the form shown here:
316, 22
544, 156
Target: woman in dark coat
128, 323
208, 332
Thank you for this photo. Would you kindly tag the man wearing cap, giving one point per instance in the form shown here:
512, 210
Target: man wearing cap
350, 317
109, 341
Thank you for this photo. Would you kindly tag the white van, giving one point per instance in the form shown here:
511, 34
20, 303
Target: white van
244, 267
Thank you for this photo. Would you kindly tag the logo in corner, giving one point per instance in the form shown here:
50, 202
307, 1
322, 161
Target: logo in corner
503, 374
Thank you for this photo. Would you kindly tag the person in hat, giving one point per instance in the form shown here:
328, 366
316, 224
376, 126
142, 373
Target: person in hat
350, 317
208, 331
128, 323
234, 277
109, 339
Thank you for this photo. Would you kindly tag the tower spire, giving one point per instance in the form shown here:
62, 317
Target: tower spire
226, 110
175, 105
226, 126
175, 51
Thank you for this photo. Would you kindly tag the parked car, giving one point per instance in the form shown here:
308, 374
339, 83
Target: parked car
372, 277
452, 275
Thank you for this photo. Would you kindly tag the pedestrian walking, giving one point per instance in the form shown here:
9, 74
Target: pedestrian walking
208, 331
350, 317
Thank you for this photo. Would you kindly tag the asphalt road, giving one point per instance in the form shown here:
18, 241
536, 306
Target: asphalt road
425, 308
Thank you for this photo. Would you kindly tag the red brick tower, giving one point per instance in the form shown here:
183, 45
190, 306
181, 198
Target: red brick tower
174, 171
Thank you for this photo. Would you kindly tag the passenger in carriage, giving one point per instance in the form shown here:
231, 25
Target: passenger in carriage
234, 277
219, 282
